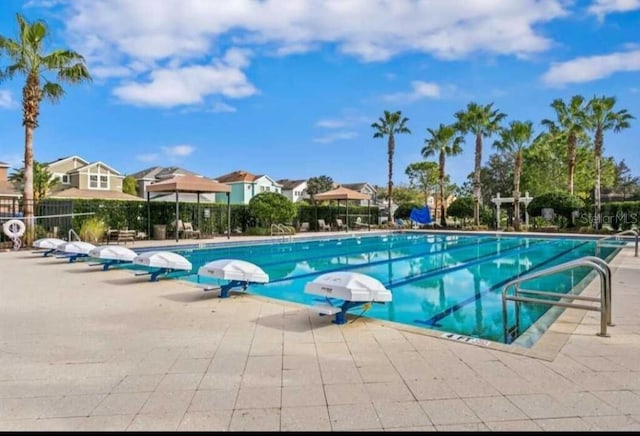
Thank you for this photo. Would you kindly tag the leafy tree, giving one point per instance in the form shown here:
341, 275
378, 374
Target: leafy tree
625, 182
404, 210
461, 208
482, 122
423, 176
27, 57
43, 180
271, 207
130, 185
442, 142
569, 126
317, 185
562, 203
513, 141
390, 125
601, 117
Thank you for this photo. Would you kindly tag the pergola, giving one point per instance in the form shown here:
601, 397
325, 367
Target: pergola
346, 194
497, 200
188, 184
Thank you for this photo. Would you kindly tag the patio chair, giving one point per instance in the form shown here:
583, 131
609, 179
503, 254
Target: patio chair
339, 224
322, 226
189, 232
304, 227
359, 224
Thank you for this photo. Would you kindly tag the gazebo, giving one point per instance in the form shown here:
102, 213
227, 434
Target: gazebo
346, 194
188, 184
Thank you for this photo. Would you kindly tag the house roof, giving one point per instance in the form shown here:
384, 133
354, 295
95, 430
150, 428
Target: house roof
188, 183
157, 172
94, 193
354, 186
7, 189
60, 159
4, 164
290, 184
237, 176
77, 170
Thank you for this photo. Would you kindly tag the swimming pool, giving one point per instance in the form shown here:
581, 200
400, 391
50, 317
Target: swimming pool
446, 282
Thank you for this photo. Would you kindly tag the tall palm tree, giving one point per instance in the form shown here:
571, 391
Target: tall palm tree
390, 124
482, 121
570, 123
27, 57
600, 117
513, 141
443, 142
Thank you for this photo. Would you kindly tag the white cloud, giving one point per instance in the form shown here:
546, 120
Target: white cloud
601, 8
147, 157
219, 107
188, 85
331, 124
6, 100
589, 68
371, 30
333, 137
419, 90
178, 150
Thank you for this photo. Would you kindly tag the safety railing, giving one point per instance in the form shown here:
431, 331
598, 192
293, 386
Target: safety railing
282, 231
597, 264
74, 234
617, 237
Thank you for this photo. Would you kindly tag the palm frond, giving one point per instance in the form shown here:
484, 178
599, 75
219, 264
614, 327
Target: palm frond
52, 91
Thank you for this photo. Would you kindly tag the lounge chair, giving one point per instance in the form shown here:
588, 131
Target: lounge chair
359, 224
339, 224
189, 232
322, 226
304, 227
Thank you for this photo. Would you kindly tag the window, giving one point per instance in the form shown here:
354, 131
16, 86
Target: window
65, 179
104, 182
93, 182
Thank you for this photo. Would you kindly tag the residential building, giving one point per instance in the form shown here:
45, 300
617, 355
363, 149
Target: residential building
365, 188
80, 178
294, 190
244, 186
9, 195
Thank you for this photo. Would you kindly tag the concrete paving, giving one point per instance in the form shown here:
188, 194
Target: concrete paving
82, 349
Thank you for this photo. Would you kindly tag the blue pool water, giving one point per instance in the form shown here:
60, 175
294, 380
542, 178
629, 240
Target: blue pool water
446, 282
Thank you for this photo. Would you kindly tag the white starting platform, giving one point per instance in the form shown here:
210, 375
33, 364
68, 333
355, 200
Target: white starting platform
162, 263
238, 273
112, 255
343, 290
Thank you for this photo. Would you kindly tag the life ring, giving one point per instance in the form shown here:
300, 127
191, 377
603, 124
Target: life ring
14, 228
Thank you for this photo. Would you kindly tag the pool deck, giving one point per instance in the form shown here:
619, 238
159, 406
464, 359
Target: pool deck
82, 349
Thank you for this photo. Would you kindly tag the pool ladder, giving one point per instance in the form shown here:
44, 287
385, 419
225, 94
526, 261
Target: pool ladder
604, 307
617, 237
284, 232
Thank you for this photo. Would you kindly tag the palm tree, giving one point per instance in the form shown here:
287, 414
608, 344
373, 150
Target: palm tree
482, 121
570, 123
43, 180
513, 141
600, 117
443, 142
26, 56
390, 124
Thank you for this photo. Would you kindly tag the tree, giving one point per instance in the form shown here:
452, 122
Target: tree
271, 207
423, 176
390, 124
43, 180
130, 185
570, 125
600, 117
26, 56
442, 142
625, 181
513, 141
316, 185
482, 121
462, 208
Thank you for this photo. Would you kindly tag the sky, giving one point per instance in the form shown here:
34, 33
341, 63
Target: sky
290, 88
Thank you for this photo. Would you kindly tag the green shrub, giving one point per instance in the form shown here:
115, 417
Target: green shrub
404, 210
461, 208
562, 203
270, 208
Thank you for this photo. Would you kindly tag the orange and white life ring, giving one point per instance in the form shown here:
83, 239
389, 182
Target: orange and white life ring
14, 228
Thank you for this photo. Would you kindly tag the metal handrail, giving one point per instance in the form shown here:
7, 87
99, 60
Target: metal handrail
279, 229
617, 236
595, 263
73, 233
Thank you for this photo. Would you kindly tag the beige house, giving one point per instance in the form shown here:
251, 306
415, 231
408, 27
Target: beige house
79, 178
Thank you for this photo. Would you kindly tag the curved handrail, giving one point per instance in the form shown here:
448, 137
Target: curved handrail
617, 236
594, 262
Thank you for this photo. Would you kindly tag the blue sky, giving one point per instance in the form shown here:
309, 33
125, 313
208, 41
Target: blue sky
290, 88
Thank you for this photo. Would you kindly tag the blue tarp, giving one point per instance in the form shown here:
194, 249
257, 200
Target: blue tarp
421, 216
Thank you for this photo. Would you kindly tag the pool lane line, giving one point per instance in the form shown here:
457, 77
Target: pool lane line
433, 321
384, 261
